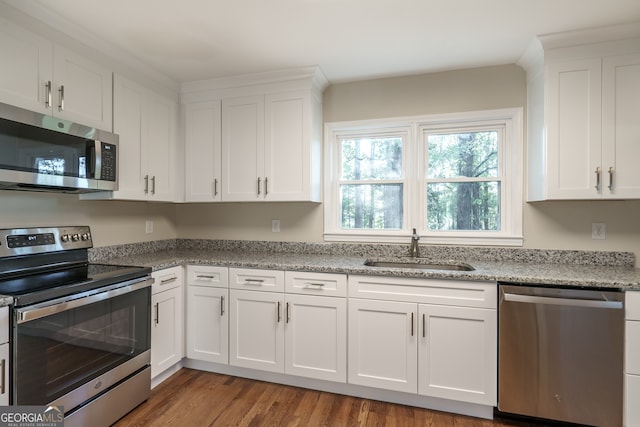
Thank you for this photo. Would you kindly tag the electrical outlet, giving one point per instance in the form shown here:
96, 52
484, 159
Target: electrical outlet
598, 230
148, 227
275, 225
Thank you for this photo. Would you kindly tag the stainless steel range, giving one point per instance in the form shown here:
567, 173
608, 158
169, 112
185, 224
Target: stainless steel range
80, 332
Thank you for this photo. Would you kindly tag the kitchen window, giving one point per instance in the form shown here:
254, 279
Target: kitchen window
456, 178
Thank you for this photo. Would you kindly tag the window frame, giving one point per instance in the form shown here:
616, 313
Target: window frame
414, 164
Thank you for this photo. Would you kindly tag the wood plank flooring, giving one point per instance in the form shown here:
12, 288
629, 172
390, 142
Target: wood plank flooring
195, 398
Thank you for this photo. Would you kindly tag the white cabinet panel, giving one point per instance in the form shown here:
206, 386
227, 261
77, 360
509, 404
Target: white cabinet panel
205, 275
255, 279
203, 167
256, 330
383, 345
321, 284
316, 337
4, 374
208, 324
457, 355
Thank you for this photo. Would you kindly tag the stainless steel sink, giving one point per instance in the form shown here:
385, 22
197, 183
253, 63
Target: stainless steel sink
417, 264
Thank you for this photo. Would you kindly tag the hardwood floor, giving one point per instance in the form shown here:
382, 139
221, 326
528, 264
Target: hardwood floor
196, 398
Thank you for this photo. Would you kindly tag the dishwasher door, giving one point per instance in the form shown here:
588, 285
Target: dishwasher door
561, 354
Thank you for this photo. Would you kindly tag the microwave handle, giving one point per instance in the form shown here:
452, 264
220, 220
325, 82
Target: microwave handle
96, 165
49, 308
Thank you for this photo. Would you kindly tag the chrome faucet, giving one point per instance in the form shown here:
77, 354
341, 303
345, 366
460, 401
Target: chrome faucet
414, 250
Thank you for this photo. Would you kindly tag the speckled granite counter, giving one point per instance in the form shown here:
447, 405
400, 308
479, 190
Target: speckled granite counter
553, 267
5, 300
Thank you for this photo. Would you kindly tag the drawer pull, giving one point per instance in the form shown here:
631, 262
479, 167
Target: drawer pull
314, 284
169, 280
203, 276
253, 281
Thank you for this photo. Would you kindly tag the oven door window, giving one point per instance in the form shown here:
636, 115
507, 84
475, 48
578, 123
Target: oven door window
57, 353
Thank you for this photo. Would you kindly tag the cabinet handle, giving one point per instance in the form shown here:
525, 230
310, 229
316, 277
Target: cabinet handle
610, 179
47, 99
202, 276
598, 178
61, 103
153, 184
266, 185
278, 312
146, 184
411, 323
215, 187
222, 305
259, 186
288, 314
169, 280
157, 313
3, 366
313, 284
424, 326
253, 281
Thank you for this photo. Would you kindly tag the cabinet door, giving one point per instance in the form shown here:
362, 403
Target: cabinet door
457, 356
383, 347
243, 148
4, 374
159, 147
256, 330
574, 130
208, 324
129, 122
316, 337
83, 90
202, 123
166, 330
621, 126
26, 68
287, 146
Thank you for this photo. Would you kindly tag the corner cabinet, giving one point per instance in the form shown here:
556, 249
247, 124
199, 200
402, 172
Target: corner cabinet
43, 76
437, 338
208, 313
147, 125
167, 337
584, 132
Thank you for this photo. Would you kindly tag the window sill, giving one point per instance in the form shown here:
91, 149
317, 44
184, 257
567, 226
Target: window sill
427, 240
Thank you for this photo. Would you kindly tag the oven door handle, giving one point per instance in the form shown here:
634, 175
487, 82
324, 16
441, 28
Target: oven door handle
48, 308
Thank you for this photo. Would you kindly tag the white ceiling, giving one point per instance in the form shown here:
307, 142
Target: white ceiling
348, 39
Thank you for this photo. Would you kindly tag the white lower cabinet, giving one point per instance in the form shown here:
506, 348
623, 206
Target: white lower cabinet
207, 313
295, 334
167, 338
457, 353
383, 349
420, 342
632, 359
4, 356
256, 330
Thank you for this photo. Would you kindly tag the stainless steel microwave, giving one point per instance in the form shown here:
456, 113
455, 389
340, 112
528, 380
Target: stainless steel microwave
45, 153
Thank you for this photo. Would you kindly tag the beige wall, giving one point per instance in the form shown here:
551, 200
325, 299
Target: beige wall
557, 225
111, 222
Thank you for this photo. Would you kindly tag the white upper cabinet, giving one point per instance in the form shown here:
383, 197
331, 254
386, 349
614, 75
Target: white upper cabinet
269, 146
146, 123
43, 76
202, 126
583, 128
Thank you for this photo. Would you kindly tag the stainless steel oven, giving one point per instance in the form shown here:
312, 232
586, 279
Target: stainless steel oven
80, 332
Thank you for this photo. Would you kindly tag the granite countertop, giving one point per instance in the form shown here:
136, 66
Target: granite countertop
573, 268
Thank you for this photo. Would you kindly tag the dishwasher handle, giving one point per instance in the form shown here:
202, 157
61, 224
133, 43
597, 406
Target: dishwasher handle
569, 302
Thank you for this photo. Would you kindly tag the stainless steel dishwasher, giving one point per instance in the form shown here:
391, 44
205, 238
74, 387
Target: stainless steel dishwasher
561, 354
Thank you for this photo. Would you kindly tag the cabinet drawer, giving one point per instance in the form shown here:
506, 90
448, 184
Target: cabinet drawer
428, 291
4, 324
632, 305
206, 275
631, 397
326, 284
256, 280
166, 279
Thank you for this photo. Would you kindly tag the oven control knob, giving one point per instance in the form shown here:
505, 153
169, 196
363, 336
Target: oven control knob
85, 236
75, 237
65, 237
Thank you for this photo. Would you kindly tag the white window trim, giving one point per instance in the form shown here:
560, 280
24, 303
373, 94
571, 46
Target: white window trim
512, 185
